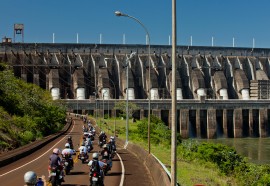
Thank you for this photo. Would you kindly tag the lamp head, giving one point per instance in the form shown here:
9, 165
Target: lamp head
132, 55
118, 13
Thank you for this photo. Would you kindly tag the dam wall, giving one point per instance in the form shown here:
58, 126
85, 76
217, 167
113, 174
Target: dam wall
106, 73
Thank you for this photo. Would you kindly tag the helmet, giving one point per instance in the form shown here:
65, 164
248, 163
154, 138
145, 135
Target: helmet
112, 137
104, 146
67, 145
95, 155
69, 137
56, 151
102, 132
30, 177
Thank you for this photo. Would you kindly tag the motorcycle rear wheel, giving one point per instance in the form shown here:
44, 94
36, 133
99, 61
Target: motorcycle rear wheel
54, 181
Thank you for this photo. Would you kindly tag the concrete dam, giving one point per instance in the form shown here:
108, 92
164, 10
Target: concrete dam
221, 91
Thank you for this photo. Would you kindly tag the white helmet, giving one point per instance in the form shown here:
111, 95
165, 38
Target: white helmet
30, 177
56, 151
95, 155
67, 145
112, 137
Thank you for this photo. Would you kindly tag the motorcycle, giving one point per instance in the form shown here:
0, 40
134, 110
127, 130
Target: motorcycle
55, 176
101, 143
95, 179
107, 166
67, 164
83, 157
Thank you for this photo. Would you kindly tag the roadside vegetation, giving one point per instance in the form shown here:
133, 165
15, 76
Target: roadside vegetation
27, 112
197, 162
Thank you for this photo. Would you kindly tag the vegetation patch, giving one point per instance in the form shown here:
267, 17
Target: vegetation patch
27, 112
197, 162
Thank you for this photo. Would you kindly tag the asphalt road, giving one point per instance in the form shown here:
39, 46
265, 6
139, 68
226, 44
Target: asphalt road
127, 169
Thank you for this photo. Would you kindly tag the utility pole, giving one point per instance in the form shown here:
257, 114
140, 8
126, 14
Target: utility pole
173, 128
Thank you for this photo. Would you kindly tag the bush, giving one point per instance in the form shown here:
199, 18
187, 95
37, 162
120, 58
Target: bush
159, 132
27, 112
223, 156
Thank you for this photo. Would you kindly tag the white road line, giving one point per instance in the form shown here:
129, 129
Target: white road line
123, 171
39, 156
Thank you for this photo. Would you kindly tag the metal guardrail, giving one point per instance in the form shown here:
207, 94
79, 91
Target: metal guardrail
165, 104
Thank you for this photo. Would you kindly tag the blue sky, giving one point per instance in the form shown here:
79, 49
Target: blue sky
223, 20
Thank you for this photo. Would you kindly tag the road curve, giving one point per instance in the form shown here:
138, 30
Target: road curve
130, 173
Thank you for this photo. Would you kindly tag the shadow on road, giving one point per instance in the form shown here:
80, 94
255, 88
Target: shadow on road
77, 173
72, 185
114, 174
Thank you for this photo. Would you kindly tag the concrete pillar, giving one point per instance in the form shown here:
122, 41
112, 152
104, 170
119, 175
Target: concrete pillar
24, 77
141, 114
36, 79
238, 123
157, 113
184, 122
225, 123
250, 123
114, 113
198, 124
263, 119
211, 124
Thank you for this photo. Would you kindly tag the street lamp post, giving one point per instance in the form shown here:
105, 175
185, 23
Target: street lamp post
114, 99
103, 107
77, 106
127, 106
118, 13
173, 128
95, 106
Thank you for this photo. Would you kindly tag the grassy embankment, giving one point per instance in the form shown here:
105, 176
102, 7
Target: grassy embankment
188, 172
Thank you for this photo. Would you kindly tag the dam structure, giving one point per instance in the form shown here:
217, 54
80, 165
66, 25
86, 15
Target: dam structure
221, 91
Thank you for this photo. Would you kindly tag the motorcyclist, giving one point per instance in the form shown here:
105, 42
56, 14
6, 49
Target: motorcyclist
106, 155
102, 137
93, 131
88, 142
55, 162
96, 165
67, 153
69, 140
83, 150
111, 146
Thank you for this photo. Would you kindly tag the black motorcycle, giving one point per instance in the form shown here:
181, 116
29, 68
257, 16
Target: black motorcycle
96, 179
83, 157
55, 178
66, 161
101, 143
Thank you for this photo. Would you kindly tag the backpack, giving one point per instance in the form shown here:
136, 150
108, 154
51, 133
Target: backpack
95, 167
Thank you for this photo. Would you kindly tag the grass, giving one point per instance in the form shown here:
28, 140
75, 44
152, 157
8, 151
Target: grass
188, 173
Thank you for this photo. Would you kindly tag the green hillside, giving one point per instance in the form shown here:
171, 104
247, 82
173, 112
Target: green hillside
27, 112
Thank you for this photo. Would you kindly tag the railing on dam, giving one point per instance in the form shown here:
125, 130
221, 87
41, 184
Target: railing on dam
165, 104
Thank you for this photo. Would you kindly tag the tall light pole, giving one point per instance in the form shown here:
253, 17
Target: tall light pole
95, 106
127, 106
173, 128
103, 106
114, 99
77, 105
118, 13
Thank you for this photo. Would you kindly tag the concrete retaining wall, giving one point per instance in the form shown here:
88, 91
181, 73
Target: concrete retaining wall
14, 155
158, 174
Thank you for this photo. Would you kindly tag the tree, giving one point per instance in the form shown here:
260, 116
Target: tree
132, 107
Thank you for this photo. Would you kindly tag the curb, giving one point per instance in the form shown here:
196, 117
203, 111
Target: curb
13, 155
